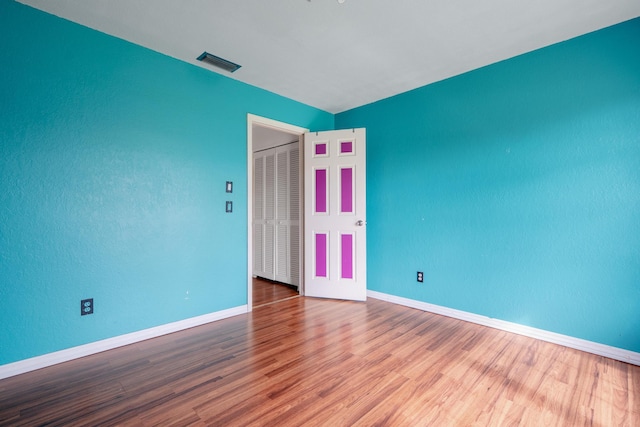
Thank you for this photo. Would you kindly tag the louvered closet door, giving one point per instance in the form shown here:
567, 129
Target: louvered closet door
258, 215
282, 217
294, 215
276, 222
264, 214
287, 221
269, 214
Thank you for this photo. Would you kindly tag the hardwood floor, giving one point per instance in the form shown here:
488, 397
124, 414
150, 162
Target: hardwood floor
268, 292
312, 362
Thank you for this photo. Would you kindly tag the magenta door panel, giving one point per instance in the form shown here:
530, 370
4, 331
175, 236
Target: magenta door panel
321, 255
321, 191
346, 190
346, 147
346, 250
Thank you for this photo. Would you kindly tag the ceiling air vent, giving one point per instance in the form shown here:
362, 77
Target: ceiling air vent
218, 62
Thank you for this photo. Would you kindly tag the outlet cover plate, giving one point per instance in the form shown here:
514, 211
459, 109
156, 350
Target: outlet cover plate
86, 306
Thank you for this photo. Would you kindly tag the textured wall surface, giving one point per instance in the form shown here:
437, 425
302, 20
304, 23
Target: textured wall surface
113, 162
516, 189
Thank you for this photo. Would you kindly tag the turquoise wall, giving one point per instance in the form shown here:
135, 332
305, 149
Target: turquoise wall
516, 189
113, 162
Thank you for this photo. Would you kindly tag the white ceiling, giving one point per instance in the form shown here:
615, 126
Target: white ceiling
339, 56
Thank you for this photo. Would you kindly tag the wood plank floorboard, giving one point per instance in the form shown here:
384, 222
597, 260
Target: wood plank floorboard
267, 292
313, 362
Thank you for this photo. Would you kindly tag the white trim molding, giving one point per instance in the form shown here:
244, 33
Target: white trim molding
38, 362
552, 337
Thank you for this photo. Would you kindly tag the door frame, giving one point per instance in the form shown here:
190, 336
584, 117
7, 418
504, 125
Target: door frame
252, 120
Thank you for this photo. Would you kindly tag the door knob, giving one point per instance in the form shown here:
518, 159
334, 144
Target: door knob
360, 223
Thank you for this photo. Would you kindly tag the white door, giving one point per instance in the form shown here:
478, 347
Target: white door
335, 214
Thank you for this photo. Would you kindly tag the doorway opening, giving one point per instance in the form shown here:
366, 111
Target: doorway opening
275, 200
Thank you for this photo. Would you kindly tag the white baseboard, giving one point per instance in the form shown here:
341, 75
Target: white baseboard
38, 362
552, 337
